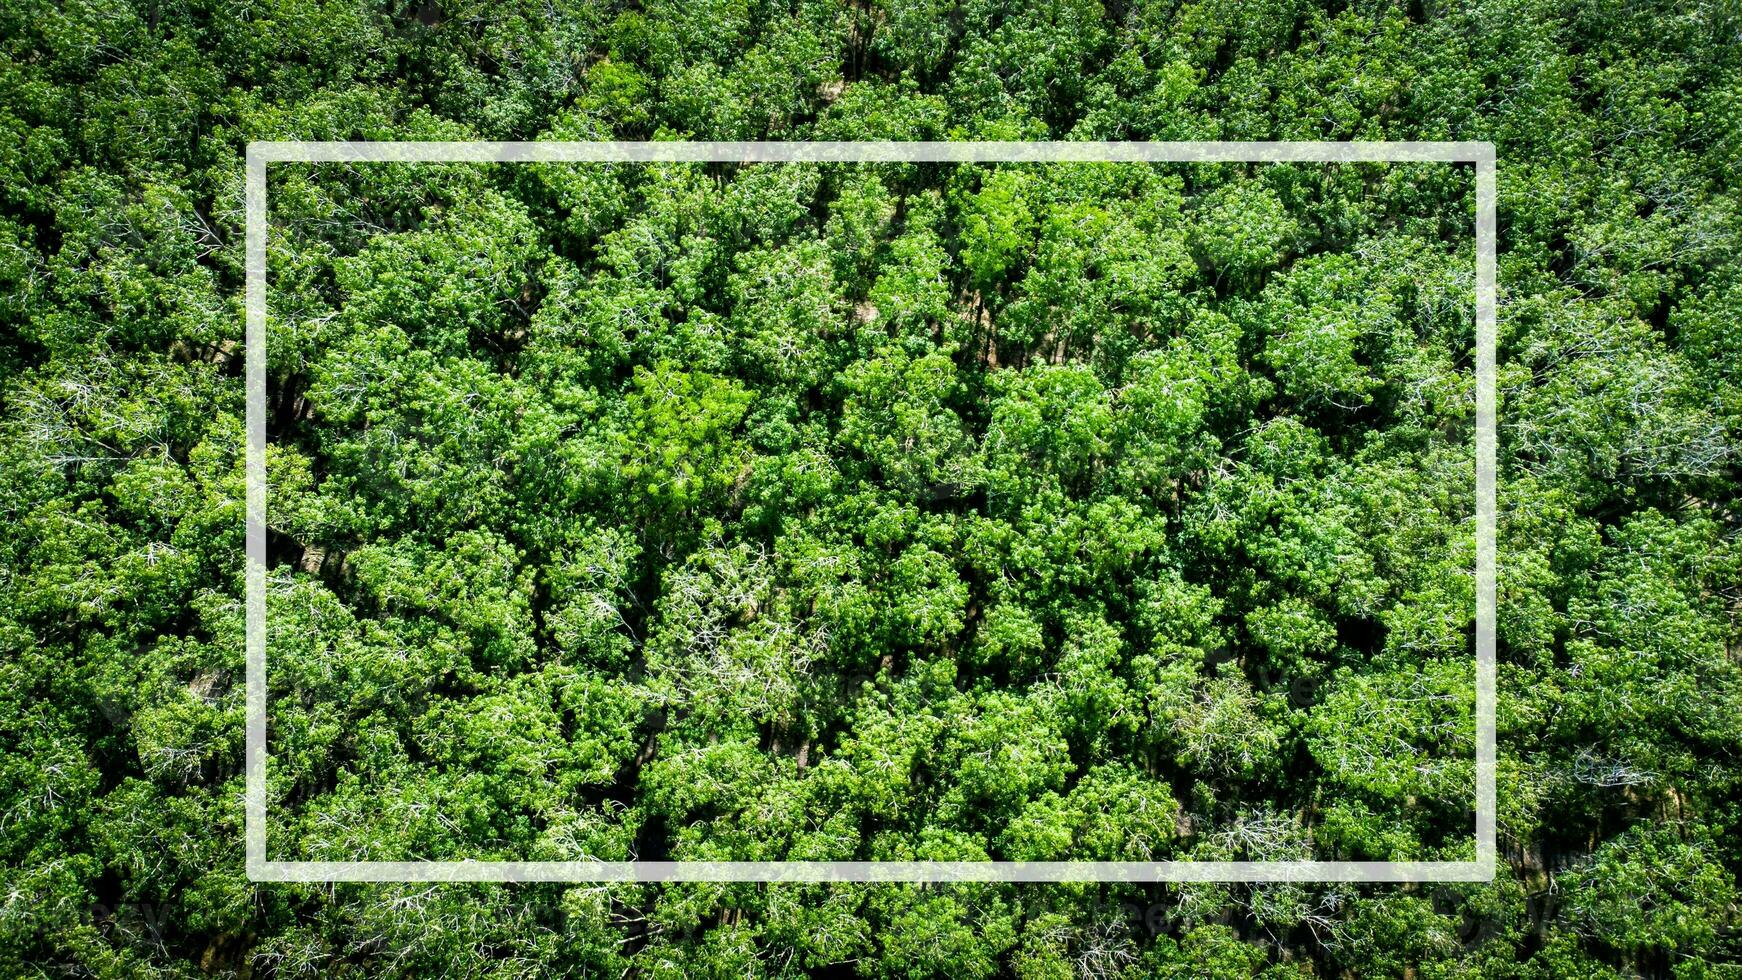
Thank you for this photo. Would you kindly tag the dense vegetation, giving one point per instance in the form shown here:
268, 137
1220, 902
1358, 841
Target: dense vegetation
871, 512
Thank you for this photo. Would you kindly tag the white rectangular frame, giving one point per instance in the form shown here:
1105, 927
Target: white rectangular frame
1481, 154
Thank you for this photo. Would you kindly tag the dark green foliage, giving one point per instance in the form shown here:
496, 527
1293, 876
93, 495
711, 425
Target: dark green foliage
871, 512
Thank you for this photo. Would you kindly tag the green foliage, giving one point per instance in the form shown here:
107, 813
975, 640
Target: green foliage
881, 512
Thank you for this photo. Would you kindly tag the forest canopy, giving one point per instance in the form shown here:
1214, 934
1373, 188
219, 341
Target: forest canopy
871, 512
861, 503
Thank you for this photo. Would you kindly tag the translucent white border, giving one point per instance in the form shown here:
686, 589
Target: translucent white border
260, 869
